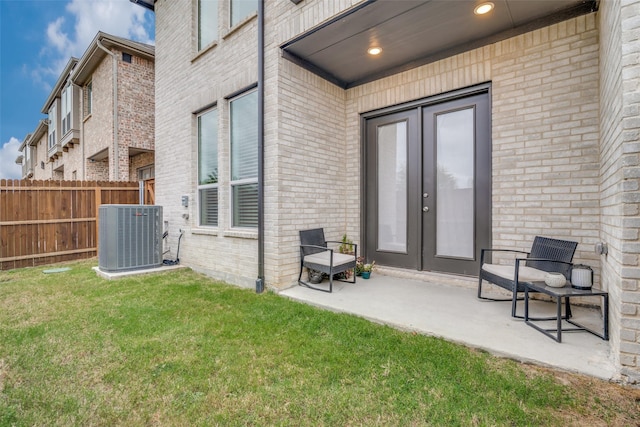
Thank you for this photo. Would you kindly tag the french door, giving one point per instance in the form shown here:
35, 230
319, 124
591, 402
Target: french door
428, 184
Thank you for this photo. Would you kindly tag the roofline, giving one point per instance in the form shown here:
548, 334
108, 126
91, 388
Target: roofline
24, 142
33, 137
41, 129
94, 54
59, 84
147, 4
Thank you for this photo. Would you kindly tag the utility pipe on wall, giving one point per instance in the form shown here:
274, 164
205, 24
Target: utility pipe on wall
116, 151
260, 279
81, 120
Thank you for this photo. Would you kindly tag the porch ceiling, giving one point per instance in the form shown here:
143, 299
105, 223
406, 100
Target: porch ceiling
416, 32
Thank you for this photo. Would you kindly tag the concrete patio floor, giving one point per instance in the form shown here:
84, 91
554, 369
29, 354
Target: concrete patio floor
455, 313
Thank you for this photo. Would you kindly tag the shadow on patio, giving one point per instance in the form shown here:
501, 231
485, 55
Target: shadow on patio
454, 313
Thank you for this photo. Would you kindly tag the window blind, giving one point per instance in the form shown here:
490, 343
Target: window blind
209, 206
244, 160
208, 167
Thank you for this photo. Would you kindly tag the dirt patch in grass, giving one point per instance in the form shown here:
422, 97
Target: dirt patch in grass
599, 403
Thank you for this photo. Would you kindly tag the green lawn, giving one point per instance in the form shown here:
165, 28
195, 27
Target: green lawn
180, 349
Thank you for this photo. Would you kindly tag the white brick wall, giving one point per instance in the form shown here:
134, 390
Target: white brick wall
186, 82
545, 132
620, 170
551, 174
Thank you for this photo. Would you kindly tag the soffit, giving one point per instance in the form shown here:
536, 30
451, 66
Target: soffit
416, 32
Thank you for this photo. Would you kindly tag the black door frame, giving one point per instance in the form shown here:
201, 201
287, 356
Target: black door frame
483, 88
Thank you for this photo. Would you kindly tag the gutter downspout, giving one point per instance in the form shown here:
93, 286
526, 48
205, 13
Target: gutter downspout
260, 279
116, 153
81, 120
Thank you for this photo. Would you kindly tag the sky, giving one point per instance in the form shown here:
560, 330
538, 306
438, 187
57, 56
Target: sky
37, 38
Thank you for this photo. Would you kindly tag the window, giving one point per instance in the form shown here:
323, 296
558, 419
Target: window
207, 22
240, 9
208, 167
244, 160
126, 57
146, 173
52, 127
89, 95
74, 175
66, 109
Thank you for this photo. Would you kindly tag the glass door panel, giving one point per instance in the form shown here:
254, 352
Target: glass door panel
427, 183
392, 187
455, 184
456, 179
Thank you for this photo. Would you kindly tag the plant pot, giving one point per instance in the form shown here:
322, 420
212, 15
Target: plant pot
555, 280
366, 274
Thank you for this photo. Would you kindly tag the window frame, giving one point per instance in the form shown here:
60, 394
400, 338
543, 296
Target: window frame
239, 20
142, 171
208, 186
201, 44
244, 180
66, 108
52, 127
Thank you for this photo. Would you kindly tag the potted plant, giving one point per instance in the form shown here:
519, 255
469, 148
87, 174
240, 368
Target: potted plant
359, 266
367, 269
346, 247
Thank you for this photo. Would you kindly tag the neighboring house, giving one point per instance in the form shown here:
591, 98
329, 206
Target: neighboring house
465, 131
100, 117
34, 149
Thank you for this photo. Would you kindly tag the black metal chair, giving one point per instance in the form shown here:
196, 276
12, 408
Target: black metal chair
315, 255
546, 255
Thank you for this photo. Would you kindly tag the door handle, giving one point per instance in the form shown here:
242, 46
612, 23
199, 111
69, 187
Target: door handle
425, 209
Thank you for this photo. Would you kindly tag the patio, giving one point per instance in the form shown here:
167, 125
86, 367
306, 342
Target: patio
452, 311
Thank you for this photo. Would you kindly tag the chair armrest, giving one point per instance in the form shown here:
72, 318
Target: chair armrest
482, 252
355, 245
555, 261
324, 248
505, 250
545, 259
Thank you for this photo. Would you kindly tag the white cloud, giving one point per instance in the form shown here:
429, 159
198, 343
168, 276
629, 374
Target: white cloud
56, 37
8, 154
71, 34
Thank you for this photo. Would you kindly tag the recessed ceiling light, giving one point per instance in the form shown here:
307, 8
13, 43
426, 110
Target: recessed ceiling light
483, 8
374, 50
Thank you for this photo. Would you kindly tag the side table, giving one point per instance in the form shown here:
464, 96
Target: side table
565, 293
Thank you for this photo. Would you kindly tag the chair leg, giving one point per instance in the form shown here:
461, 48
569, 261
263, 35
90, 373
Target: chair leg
488, 298
308, 285
514, 304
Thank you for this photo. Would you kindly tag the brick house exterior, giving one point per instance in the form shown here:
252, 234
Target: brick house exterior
563, 132
90, 124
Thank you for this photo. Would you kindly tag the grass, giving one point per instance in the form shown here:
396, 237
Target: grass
180, 349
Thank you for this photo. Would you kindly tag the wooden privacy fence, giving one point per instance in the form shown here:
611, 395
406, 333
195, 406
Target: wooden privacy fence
43, 222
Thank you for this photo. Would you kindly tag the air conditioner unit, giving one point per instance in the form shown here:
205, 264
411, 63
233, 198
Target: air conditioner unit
130, 237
